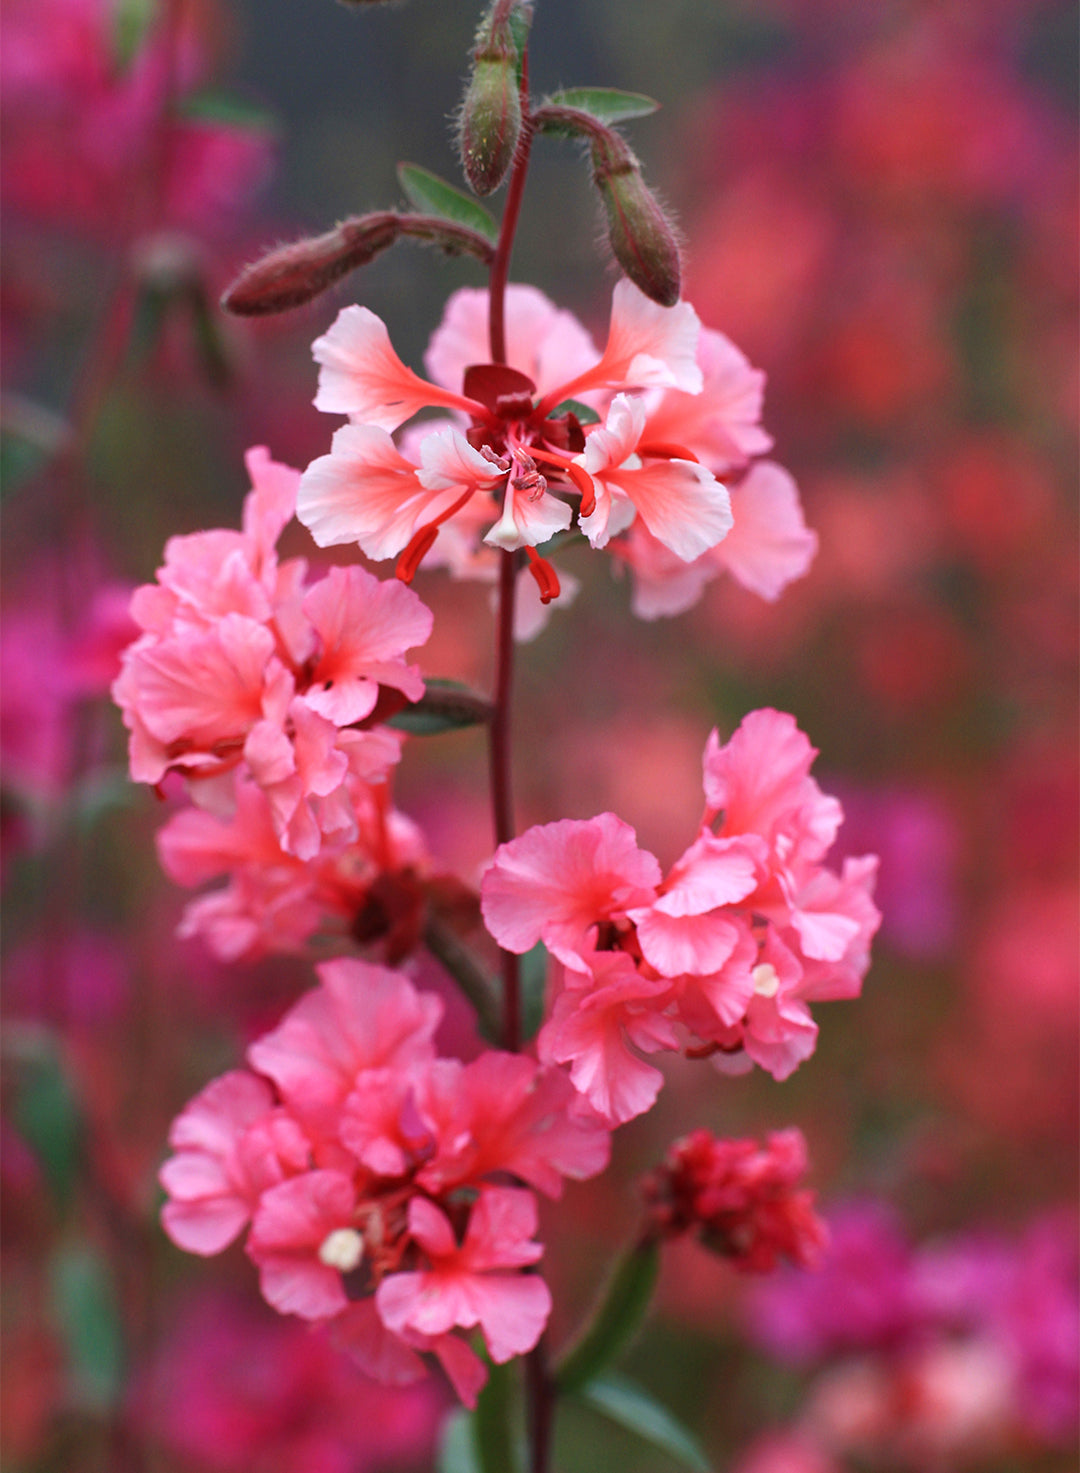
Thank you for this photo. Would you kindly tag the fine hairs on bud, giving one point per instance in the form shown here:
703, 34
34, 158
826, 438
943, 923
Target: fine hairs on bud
489, 120
293, 274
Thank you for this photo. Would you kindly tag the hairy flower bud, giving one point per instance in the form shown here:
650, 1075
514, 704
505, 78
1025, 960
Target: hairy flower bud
293, 274
641, 237
490, 120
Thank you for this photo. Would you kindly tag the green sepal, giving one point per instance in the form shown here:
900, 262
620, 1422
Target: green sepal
519, 21
608, 104
636, 1410
616, 1321
429, 194
581, 412
84, 1307
446, 705
532, 975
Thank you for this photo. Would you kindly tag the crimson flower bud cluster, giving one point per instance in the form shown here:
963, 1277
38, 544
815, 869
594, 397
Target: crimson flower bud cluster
741, 1199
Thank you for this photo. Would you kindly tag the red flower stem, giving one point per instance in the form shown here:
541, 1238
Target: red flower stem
540, 1394
500, 267
502, 803
500, 745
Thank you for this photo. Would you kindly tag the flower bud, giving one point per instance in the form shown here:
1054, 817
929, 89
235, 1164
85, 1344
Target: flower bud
641, 237
293, 274
491, 112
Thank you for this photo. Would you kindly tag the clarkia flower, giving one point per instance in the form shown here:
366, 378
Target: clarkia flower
747, 928
390, 1193
242, 666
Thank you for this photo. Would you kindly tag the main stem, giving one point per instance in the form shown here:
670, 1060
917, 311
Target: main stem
500, 745
539, 1390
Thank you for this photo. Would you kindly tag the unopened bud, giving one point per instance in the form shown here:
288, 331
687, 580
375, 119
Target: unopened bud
641, 237
491, 111
293, 274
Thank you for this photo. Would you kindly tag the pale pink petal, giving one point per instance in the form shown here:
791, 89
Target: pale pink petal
769, 545
558, 881
710, 873
449, 463
378, 1352
364, 626
360, 375
365, 491
271, 502
528, 518
648, 346
722, 424
291, 1223
550, 346
465, 1370
664, 585
699, 944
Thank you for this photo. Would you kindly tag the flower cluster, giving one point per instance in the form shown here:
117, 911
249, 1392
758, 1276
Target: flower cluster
740, 1198
368, 886
632, 440
241, 666
374, 1176
747, 928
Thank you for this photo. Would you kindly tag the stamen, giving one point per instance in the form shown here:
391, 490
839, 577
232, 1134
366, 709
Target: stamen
766, 982
342, 1249
577, 473
420, 545
547, 580
665, 450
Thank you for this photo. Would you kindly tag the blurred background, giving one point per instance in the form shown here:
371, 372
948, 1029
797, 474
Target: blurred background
878, 205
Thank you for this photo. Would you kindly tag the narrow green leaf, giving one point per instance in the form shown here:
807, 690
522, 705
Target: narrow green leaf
606, 103
446, 705
520, 19
639, 1412
83, 1300
457, 1445
493, 1422
429, 194
47, 1116
582, 412
533, 976
233, 112
616, 1321
132, 20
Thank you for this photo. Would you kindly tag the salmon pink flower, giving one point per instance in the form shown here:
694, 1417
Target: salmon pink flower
389, 1191
514, 446
748, 927
240, 666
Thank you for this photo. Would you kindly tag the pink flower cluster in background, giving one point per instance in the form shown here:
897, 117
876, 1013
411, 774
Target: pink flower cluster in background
373, 1173
936, 1355
635, 436
241, 665
747, 928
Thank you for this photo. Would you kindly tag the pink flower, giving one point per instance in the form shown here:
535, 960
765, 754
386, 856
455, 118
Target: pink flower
239, 666
220, 1169
469, 1285
361, 1017
747, 929
505, 447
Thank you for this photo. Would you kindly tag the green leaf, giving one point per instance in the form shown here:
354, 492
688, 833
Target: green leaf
616, 1321
637, 1410
47, 1113
606, 103
519, 20
431, 195
493, 1422
132, 20
446, 705
532, 977
457, 1445
582, 412
222, 107
83, 1301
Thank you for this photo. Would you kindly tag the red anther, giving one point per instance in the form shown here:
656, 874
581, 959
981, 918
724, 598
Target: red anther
414, 554
547, 580
665, 450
